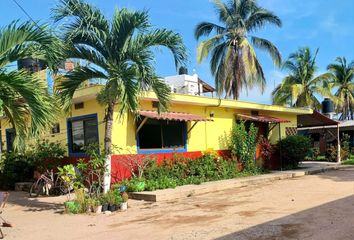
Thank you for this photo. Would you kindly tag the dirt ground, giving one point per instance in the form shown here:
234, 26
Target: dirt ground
311, 207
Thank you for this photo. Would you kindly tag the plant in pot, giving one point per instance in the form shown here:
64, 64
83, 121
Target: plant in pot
111, 198
94, 204
104, 202
124, 204
68, 176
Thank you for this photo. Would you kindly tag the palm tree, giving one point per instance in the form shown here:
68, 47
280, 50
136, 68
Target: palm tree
299, 88
119, 52
24, 99
233, 61
343, 81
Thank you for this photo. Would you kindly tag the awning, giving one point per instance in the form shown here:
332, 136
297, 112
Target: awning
262, 118
314, 120
174, 116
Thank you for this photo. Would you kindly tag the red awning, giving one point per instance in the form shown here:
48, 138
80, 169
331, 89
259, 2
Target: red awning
262, 118
175, 116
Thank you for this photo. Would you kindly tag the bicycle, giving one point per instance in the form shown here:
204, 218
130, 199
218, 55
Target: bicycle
46, 184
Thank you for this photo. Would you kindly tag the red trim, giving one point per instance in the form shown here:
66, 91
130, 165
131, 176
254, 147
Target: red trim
176, 116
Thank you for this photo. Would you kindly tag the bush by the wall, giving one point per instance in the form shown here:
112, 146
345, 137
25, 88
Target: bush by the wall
19, 166
294, 149
15, 168
181, 171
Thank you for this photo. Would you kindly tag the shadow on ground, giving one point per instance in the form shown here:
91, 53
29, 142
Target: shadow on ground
333, 220
36, 204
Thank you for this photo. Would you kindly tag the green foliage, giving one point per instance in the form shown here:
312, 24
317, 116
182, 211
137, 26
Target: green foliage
68, 175
301, 87
293, 150
243, 143
46, 155
19, 166
15, 167
231, 44
345, 146
36, 111
342, 80
92, 170
73, 207
181, 171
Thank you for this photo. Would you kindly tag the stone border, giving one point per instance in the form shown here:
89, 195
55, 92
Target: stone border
189, 190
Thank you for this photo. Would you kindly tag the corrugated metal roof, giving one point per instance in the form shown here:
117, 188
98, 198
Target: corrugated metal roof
175, 116
262, 118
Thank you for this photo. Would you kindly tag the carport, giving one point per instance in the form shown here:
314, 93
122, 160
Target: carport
318, 120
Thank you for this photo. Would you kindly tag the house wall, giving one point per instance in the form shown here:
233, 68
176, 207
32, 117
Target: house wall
205, 135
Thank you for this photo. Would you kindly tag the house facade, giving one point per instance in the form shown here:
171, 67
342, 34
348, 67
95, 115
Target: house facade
194, 123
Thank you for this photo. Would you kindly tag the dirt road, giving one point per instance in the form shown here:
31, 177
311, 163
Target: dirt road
311, 207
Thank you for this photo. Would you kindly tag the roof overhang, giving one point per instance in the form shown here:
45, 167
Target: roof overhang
261, 118
174, 116
315, 120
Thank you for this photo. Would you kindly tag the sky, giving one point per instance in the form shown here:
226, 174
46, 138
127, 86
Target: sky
324, 24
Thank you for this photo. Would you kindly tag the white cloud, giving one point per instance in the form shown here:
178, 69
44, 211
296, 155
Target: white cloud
331, 25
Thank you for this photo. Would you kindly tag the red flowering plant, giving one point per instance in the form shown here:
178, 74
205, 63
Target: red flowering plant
266, 148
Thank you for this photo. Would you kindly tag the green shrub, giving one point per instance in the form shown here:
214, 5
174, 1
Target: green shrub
181, 171
294, 149
15, 168
243, 142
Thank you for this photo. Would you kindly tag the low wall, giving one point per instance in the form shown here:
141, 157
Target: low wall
119, 167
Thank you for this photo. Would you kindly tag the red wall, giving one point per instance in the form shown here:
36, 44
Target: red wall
119, 169
120, 172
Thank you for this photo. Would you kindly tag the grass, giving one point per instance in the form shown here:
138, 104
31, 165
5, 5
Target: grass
349, 161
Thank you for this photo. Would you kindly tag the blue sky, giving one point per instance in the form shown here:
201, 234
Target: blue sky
324, 24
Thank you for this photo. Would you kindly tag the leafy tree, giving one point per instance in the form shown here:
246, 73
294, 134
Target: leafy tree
119, 51
233, 61
343, 81
24, 99
300, 86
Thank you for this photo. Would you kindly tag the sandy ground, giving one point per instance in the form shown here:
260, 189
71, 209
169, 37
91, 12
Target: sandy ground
311, 207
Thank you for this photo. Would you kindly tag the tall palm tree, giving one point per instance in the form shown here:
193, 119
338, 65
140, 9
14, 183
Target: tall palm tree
24, 99
233, 60
300, 87
343, 81
118, 51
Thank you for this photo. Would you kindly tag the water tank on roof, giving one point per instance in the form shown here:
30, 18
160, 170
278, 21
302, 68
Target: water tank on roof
327, 106
32, 65
183, 71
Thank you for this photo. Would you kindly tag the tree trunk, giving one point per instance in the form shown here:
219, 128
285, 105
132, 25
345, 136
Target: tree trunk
108, 145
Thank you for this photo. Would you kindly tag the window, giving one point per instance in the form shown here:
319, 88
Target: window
162, 135
56, 128
82, 131
10, 136
79, 105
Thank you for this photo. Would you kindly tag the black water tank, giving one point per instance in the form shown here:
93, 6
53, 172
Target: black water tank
327, 106
183, 71
32, 65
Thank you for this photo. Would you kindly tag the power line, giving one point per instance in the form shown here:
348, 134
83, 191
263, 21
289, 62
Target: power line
25, 12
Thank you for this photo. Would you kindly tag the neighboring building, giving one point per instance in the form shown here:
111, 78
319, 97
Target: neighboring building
323, 136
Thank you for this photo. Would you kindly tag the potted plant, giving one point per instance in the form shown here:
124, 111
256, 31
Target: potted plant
104, 202
95, 205
124, 204
111, 201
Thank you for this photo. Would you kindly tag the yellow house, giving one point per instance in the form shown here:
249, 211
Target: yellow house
193, 123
